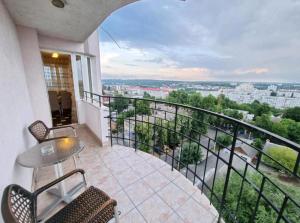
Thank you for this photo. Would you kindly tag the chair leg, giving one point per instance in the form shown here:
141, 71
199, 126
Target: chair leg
116, 214
75, 163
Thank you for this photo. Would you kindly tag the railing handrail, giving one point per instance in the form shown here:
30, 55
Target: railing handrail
293, 145
231, 127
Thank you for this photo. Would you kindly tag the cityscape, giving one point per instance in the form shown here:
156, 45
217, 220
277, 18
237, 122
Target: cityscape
278, 95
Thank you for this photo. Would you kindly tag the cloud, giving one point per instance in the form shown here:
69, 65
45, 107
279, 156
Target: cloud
228, 39
258, 70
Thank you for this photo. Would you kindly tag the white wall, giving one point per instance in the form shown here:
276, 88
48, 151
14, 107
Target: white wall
33, 65
92, 47
51, 43
15, 106
94, 117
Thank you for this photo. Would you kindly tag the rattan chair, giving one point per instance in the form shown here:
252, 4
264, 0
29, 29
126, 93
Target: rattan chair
92, 206
41, 132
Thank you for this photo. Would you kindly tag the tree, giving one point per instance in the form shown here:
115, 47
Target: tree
265, 213
121, 117
223, 141
160, 134
143, 107
144, 135
172, 135
191, 153
180, 97
293, 129
258, 143
120, 103
292, 113
264, 122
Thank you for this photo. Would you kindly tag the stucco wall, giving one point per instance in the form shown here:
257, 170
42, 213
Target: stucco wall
33, 66
51, 43
15, 106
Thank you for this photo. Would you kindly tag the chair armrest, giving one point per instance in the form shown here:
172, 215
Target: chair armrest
46, 187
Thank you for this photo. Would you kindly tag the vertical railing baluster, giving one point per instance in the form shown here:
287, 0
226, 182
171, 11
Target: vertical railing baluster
174, 136
92, 97
109, 107
99, 99
283, 206
241, 189
296, 167
196, 164
223, 200
205, 166
258, 199
135, 126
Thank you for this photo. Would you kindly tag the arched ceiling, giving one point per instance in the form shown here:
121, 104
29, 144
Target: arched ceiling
76, 21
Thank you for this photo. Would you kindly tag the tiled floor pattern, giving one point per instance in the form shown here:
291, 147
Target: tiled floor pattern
144, 186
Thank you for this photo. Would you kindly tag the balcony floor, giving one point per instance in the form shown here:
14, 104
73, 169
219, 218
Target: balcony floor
144, 186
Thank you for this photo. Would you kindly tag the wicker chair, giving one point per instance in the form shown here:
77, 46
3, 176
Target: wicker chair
92, 206
40, 131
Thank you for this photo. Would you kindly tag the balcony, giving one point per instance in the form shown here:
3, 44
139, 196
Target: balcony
238, 177
144, 186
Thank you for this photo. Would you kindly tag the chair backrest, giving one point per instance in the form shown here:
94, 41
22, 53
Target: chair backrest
39, 130
53, 100
18, 205
66, 100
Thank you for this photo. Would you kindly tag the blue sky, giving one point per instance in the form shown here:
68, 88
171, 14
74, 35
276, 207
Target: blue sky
217, 40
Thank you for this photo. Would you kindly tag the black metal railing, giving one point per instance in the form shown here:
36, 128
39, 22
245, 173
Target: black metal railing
208, 148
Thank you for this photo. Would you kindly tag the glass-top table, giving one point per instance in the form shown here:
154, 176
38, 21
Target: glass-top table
50, 153
53, 153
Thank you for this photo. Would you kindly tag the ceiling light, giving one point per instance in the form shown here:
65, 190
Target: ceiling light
55, 55
58, 3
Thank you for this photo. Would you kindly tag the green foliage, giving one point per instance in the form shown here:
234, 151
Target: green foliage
283, 155
144, 133
233, 114
180, 96
286, 127
121, 117
160, 133
143, 107
223, 140
120, 103
258, 143
292, 113
172, 136
191, 153
265, 213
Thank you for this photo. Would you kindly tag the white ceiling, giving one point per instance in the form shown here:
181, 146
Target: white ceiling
76, 21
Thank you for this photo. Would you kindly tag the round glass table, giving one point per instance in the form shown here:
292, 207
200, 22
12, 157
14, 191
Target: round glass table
53, 153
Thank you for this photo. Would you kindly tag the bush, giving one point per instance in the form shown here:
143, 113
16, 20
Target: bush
191, 153
265, 213
283, 155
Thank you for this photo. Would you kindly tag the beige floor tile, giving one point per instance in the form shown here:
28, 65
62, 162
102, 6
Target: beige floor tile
192, 212
156, 163
173, 196
185, 185
166, 170
132, 217
139, 192
156, 181
127, 177
143, 169
174, 218
124, 203
155, 210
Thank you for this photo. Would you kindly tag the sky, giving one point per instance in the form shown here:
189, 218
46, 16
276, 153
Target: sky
203, 40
